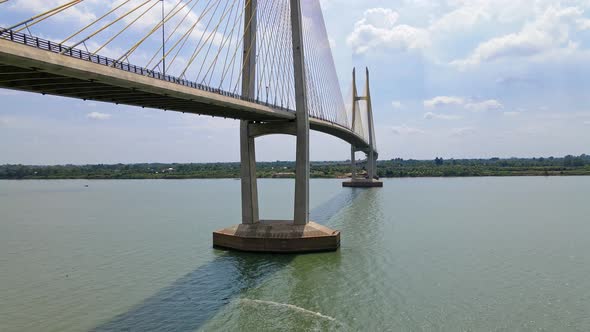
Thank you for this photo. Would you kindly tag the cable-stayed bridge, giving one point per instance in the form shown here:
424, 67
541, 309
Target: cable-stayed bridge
267, 63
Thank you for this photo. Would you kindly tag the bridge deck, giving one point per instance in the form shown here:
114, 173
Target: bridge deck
26, 66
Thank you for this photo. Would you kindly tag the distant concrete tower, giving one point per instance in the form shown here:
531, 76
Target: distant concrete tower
371, 180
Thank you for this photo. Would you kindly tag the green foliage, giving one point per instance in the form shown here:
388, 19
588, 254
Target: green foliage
568, 165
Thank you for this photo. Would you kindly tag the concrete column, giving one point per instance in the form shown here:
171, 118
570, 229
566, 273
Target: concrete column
301, 215
248, 176
354, 99
247, 144
354, 111
352, 162
371, 164
371, 168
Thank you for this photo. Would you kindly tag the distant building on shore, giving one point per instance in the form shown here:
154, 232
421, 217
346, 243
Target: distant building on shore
283, 175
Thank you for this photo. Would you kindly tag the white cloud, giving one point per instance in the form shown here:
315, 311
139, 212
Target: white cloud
378, 30
81, 13
549, 31
405, 130
382, 18
487, 105
512, 113
463, 17
467, 14
565, 115
98, 116
396, 104
465, 131
475, 106
443, 101
583, 24
435, 116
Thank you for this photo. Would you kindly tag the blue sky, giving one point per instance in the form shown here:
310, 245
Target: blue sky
453, 78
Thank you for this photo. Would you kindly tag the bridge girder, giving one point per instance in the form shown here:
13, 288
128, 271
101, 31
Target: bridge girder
48, 73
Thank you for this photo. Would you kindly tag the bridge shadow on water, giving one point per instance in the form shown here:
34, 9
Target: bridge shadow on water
196, 297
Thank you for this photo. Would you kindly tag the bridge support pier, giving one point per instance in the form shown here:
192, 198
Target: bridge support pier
371, 180
248, 175
300, 234
352, 162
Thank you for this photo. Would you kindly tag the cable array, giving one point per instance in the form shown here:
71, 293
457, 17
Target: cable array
324, 95
362, 126
203, 41
359, 119
274, 59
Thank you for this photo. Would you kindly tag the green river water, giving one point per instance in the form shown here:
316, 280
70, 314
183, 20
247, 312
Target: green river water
459, 254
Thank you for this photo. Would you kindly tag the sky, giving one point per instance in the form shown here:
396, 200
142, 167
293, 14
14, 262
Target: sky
451, 79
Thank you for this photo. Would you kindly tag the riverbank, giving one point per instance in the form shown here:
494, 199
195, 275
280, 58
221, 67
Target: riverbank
394, 168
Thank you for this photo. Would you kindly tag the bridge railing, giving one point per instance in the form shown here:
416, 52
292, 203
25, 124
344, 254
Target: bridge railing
80, 54
54, 47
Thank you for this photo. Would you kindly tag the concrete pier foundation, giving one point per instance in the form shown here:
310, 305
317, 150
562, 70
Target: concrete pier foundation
277, 236
363, 183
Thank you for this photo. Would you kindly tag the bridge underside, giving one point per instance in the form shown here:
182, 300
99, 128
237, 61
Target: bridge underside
33, 79
29, 69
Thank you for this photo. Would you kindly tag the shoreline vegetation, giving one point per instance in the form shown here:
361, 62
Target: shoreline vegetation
394, 168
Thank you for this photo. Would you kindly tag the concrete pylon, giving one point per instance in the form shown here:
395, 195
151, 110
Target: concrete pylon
283, 236
247, 143
354, 111
301, 211
352, 162
371, 167
371, 155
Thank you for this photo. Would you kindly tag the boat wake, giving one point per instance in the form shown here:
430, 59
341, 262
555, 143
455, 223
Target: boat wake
292, 307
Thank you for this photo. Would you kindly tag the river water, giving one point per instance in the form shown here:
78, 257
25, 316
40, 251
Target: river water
465, 254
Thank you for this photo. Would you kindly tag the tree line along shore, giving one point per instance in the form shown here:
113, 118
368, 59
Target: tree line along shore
394, 168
